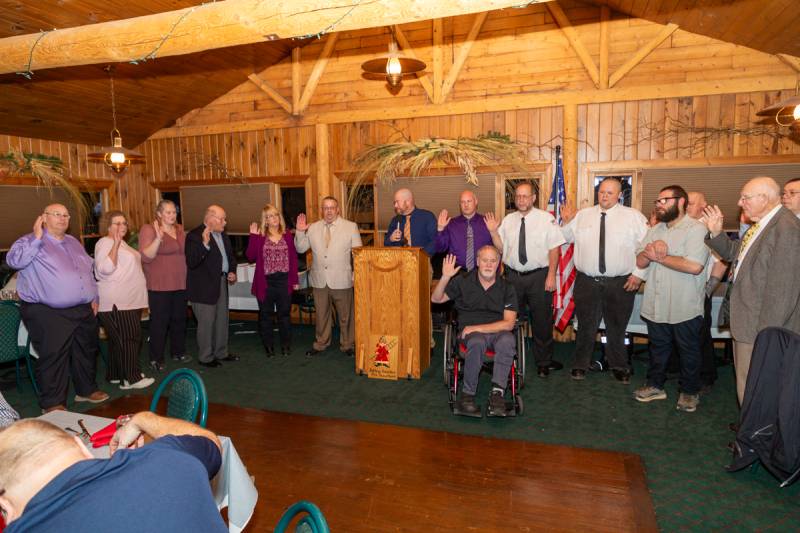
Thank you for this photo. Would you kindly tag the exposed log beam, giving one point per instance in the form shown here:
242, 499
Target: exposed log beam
438, 60
405, 46
217, 25
316, 72
790, 61
572, 36
271, 92
463, 53
496, 103
297, 84
605, 15
639, 56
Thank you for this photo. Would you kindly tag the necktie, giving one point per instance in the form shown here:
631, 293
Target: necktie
748, 235
470, 247
523, 249
602, 264
407, 231
327, 235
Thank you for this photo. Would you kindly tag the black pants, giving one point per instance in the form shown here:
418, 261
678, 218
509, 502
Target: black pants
277, 299
124, 330
599, 299
167, 317
530, 293
66, 342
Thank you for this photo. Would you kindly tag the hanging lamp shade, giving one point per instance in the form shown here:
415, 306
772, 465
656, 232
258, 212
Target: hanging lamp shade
394, 66
784, 111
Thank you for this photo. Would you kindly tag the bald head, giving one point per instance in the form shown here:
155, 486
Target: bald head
403, 201
697, 202
215, 218
56, 219
468, 203
759, 196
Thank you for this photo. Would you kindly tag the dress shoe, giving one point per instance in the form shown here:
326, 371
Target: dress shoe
97, 396
210, 364
497, 404
58, 407
555, 365
181, 358
286, 351
467, 406
543, 371
350, 353
155, 366
231, 358
578, 374
623, 376
312, 352
734, 426
269, 351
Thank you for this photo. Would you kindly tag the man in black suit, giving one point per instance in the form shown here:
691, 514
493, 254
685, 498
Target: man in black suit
211, 267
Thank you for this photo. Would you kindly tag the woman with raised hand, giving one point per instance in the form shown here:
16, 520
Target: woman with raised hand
162, 244
272, 249
123, 294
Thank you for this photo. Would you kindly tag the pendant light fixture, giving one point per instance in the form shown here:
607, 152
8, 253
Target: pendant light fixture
116, 157
393, 66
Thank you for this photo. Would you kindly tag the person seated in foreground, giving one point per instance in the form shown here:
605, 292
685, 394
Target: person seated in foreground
49, 480
487, 312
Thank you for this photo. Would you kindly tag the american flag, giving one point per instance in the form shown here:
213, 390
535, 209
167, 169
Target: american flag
563, 304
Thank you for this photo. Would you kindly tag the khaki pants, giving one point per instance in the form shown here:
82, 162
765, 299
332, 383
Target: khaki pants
742, 352
325, 299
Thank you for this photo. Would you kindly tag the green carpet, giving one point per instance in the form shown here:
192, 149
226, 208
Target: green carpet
684, 453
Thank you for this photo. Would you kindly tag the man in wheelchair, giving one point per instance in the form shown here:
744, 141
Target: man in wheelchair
487, 313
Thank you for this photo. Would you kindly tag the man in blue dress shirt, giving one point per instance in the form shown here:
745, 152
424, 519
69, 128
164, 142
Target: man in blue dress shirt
463, 235
412, 226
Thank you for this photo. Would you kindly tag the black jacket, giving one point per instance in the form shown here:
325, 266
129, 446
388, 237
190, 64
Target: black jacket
205, 266
769, 428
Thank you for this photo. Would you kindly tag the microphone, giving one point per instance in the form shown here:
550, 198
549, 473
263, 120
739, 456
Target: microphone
398, 219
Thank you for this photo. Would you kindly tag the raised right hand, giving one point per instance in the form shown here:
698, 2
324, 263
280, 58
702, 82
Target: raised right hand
206, 235
449, 267
158, 230
38, 227
254, 227
568, 212
443, 220
713, 219
302, 222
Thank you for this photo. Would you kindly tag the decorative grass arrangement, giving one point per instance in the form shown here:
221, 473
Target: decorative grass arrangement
412, 158
48, 170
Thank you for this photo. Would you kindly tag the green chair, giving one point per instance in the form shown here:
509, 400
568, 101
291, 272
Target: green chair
10, 320
313, 522
187, 397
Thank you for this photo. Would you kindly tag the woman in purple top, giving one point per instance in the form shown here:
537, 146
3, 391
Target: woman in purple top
271, 247
162, 244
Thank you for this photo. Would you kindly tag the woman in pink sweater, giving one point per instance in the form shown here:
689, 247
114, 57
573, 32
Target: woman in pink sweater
123, 295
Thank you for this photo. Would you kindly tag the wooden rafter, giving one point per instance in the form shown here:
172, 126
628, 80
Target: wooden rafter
438, 60
643, 52
790, 61
296, 82
217, 25
402, 41
572, 36
316, 72
605, 15
461, 57
271, 92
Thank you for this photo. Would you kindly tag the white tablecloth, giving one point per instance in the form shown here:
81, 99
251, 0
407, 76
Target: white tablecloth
232, 486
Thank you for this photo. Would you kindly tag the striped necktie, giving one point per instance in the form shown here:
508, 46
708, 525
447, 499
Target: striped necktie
470, 247
407, 231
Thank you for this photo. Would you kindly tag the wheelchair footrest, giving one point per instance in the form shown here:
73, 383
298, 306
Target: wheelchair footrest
459, 412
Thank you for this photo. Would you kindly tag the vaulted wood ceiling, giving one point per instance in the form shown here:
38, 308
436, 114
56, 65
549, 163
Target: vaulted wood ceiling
73, 104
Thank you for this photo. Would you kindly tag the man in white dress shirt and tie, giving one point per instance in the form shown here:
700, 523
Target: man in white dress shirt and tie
607, 237
331, 240
530, 240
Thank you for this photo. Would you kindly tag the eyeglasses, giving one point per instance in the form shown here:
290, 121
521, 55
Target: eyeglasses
748, 197
119, 223
663, 201
65, 216
790, 193
223, 219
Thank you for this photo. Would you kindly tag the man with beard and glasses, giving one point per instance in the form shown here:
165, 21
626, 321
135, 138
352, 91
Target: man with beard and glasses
675, 254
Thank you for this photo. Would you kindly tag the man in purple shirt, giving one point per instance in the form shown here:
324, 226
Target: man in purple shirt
58, 296
464, 235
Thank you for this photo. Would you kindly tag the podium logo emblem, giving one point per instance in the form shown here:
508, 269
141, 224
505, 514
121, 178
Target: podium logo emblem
382, 363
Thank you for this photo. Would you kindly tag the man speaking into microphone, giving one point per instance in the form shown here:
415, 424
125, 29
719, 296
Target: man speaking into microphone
412, 226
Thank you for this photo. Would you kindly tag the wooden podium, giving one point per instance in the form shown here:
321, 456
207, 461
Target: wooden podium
392, 311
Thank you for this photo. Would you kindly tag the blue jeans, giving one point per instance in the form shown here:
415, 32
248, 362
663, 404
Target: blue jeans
686, 335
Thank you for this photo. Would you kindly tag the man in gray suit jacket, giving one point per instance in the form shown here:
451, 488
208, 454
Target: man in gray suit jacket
331, 240
765, 267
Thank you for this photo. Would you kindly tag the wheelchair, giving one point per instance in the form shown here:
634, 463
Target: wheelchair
455, 352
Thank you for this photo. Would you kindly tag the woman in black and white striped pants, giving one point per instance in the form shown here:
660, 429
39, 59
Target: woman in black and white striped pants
123, 295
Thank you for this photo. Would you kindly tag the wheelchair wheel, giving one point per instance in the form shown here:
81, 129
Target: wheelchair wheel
518, 406
521, 353
447, 354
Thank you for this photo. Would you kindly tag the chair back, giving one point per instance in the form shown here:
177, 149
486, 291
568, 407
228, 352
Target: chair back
10, 320
187, 396
314, 521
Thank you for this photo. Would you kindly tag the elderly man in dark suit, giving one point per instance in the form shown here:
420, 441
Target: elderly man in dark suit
765, 288
211, 266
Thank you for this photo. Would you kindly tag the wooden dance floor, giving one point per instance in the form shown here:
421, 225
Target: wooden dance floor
372, 477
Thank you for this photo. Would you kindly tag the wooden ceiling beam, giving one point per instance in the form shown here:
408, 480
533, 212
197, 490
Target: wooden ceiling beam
643, 52
405, 46
463, 53
572, 36
271, 92
605, 15
297, 84
438, 60
216, 25
316, 73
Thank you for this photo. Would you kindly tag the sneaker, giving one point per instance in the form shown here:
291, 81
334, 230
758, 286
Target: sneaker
466, 404
155, 366
97, 396
578, 374
182, 358
114, 381
497, 404
648, 394
621, 375
141, 384
688, 402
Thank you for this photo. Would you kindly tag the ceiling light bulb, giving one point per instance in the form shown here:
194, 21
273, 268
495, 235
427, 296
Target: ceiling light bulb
393, 66
796, 112
117, 158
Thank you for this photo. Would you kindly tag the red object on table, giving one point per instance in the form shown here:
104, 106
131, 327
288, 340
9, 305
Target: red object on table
103, 436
